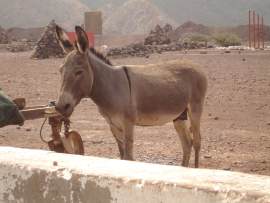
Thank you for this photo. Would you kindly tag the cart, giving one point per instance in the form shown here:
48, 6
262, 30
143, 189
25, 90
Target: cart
62, 142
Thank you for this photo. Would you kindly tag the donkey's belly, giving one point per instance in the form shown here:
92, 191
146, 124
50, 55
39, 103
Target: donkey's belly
155, 119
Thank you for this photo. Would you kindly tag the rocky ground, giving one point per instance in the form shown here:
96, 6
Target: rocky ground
235, 123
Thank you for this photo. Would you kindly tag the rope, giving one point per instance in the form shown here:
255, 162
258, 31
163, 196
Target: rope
40, 132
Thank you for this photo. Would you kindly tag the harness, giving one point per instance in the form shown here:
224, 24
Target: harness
128, 78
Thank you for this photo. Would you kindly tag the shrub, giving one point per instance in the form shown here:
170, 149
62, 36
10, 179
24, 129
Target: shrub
192, 40
197, 38
227, 39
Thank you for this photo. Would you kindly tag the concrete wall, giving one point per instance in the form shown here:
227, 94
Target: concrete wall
42, 176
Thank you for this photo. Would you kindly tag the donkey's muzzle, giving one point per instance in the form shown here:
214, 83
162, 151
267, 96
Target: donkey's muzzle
64, 109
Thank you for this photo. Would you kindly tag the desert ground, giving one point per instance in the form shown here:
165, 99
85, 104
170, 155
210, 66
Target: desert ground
235, 123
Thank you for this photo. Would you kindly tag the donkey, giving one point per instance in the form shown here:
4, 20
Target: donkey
128, 96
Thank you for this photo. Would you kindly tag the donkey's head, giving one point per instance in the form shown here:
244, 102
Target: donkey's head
76, 72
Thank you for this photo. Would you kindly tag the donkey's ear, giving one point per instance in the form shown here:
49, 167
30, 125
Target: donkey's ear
82, 42
63, 39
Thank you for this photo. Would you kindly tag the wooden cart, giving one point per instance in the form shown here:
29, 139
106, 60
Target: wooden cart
67, 142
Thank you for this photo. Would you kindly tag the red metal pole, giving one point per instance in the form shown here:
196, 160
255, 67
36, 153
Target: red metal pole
258, 31
262, 33
249, 28
254, 29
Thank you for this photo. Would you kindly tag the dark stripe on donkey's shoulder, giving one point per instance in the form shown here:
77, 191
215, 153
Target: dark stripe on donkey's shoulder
128, 78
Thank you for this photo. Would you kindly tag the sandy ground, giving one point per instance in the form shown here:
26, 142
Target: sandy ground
235, 123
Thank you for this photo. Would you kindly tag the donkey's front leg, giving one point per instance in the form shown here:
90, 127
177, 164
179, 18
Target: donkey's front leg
128, 141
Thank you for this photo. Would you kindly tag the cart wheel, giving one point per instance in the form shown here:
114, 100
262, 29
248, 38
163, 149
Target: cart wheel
56, 146
73, 143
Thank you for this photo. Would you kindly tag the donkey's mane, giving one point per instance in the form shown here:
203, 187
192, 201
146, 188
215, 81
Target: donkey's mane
100, 56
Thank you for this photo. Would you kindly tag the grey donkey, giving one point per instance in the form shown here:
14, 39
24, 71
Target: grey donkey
133, 95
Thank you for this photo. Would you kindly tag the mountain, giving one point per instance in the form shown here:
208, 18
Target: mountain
16, 33
188, 28
37, 13
214, 12
134, 17
130, 16
208, 12
100, 3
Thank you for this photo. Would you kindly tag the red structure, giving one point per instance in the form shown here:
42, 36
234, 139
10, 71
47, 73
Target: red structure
255, 30
258, 32
262, 33
90, 35
249, 28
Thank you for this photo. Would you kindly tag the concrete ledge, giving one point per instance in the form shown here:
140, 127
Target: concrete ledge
43, 176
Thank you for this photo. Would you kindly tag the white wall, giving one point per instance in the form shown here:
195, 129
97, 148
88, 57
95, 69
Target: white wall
42, 176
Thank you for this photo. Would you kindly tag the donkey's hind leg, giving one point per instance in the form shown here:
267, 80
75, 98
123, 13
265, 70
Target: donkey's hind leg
128, 141
195, 112
186, 139
119, 137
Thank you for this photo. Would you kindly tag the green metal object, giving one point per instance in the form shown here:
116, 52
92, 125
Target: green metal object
9, 112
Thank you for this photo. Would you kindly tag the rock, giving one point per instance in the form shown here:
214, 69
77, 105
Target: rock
158, 41
216, 118
207, 156
3, 38
159, 36
48, 46
142, 50
28, 129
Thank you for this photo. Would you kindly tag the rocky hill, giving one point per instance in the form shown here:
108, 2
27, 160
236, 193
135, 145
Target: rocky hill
214, 12
193, 28
208, 12
190, 27
3, 36
32, 34
38, 13
130, 16
134, 17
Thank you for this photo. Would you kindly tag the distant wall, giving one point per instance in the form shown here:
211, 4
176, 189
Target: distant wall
43, 176
93, 22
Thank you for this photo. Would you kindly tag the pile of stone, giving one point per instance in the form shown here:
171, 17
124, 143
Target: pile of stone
47, 46
20, 46
3, 36
159, 36
157, 41
161, 39
141, 50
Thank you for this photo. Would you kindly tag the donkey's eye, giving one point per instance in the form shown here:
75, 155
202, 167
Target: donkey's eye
78, 73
